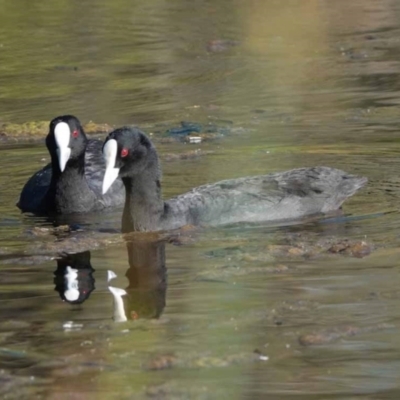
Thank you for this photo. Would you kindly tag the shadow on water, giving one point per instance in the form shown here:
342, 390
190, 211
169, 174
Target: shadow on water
143, 297
147, 277
74, 279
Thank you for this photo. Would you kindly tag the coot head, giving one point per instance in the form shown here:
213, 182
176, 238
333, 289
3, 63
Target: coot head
128, 152
66, 140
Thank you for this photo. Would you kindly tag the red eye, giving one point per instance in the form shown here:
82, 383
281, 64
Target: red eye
134, 315
124, 152
75, 133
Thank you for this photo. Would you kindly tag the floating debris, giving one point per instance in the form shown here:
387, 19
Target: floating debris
207, 131
195, 139
357, 249
308, 249
261, 356
328, 336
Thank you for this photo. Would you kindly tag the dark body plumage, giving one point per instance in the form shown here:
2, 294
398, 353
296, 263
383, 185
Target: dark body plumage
76, 189
273, 197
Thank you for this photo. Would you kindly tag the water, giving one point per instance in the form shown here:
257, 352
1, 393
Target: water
222, 315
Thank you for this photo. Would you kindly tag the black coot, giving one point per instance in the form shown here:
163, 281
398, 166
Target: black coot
130, 155
72, 182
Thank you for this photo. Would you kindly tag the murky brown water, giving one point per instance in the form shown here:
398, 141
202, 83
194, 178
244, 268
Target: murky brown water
234, 312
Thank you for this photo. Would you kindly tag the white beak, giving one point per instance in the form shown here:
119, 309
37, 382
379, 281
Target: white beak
71, 279
119, 310
110, 155
62, 134
110, 275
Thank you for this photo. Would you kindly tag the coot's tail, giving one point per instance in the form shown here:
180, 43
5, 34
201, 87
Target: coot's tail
352, 183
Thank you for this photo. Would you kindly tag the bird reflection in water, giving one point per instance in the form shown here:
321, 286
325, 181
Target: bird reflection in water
147, 282
74, 277
143, 297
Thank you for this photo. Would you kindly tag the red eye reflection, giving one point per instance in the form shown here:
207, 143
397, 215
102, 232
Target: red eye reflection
124, 152
134, 315
75, 133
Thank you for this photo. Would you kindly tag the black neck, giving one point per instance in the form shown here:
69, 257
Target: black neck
143, 203
147, 275
74, 167
66, 188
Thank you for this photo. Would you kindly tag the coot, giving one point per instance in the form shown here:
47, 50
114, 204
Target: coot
130, 154
71, 183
